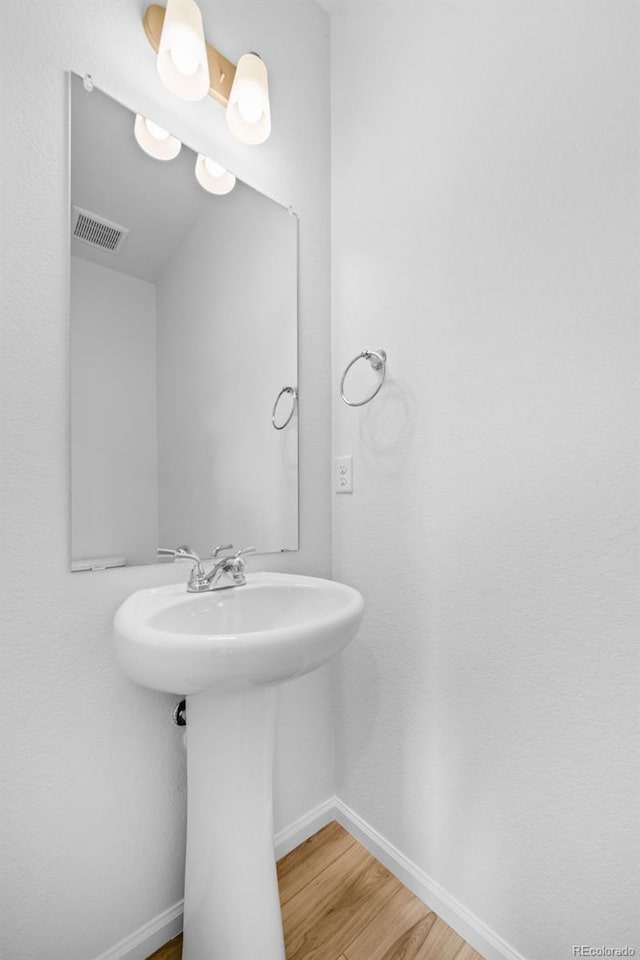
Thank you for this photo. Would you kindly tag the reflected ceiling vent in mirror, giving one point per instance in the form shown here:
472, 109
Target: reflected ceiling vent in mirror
190, 67
97, 231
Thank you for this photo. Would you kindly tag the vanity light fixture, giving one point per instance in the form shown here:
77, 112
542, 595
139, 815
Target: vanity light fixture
248, 111
243, 90
155, 140
213, 176
182, 56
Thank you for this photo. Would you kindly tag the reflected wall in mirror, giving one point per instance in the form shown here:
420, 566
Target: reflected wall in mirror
181, 340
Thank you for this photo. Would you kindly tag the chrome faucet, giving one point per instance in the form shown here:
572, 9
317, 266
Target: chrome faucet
226, 572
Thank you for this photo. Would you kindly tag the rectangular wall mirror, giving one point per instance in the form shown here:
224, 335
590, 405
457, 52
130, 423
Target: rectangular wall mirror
183, 315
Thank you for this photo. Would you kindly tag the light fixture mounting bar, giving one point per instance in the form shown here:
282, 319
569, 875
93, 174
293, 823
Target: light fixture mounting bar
221, 70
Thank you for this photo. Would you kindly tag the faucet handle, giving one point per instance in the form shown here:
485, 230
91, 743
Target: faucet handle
234, 568
218, 550
183, 553
242, 552
180, 553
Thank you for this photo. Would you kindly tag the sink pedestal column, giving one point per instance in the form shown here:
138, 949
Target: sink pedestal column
231, 904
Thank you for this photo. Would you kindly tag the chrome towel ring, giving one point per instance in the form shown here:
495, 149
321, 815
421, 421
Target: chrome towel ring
378, 361
294, 397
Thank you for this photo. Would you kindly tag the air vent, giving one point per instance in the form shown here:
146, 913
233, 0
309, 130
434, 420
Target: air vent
99, 232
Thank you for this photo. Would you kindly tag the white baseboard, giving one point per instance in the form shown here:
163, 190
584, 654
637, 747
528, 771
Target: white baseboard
470, 928
149, 938
168, 924
305, 827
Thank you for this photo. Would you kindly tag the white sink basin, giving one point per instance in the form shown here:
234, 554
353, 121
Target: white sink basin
275, 627
228, 650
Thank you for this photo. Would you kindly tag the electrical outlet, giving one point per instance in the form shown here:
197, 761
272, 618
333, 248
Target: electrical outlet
344, 474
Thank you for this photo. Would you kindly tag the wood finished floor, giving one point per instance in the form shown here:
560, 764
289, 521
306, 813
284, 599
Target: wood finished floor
339, 903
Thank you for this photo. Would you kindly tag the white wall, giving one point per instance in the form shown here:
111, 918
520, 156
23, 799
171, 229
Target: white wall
485, 234
93, 769
114, 451
227, 343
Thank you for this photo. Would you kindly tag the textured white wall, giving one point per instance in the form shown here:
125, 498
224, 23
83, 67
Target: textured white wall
485, 234
92, 840
114, 459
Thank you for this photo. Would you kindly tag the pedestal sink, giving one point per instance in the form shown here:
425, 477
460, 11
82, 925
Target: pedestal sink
227, 650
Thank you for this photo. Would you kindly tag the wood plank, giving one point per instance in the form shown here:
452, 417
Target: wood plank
302, 865
337, 905
398, 932
406, 929
170, 951
468, 953
443, 943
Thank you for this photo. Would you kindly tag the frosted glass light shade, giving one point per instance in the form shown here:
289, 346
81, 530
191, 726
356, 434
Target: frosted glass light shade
155, 140
182, 54
213, 177
248, 111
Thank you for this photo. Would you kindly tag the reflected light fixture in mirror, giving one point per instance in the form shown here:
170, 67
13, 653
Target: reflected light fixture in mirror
182, 56
161, 145
213, 176
155, 140
176, 34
